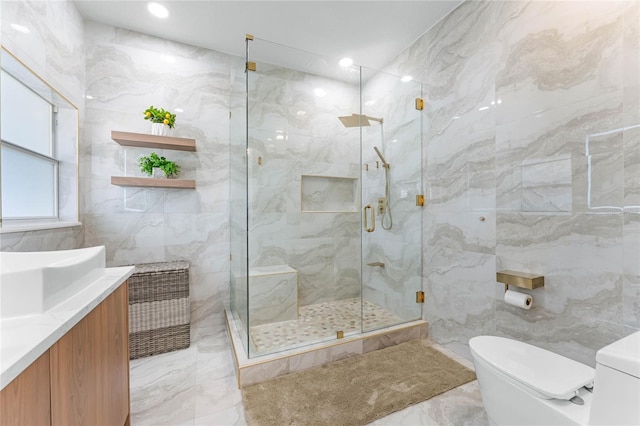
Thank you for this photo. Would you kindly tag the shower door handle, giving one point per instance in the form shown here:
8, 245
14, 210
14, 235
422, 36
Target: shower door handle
373, 218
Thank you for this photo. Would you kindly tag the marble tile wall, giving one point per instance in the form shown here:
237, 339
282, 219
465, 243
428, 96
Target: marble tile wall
126, 72
57, 56
531, 163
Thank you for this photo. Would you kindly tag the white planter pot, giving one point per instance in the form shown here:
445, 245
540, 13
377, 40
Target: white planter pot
158, 173
159, 129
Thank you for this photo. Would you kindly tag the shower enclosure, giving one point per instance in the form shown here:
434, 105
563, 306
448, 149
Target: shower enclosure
325, 224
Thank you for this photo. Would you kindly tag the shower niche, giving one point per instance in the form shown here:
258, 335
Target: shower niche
302, 130
328, 194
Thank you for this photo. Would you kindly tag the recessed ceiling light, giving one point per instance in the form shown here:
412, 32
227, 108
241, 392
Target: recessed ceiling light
345, 62
319, 92
158, 10
406, 78
89, 97
280, 137
20, 28
370, 102
178, 110
301, 112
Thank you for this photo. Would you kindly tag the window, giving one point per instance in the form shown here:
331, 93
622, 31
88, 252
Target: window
38, 152
29, 170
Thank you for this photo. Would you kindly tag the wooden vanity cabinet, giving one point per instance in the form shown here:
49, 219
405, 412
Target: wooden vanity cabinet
26, 400
87, 372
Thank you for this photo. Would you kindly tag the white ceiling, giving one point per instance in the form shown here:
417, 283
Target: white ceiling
370, 32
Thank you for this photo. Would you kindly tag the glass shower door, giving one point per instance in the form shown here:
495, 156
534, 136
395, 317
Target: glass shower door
391, 180
303, 186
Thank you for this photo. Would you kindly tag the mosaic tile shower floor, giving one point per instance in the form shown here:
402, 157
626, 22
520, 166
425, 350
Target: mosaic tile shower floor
320, 322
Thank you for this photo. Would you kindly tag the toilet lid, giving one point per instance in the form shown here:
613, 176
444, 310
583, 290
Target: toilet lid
548, 373
623, 355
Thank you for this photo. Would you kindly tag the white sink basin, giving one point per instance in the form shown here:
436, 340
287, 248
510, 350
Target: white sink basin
31, 283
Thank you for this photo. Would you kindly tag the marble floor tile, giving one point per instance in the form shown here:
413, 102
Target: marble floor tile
197, 387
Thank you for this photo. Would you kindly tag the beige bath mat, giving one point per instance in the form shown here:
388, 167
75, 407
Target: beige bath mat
355, 391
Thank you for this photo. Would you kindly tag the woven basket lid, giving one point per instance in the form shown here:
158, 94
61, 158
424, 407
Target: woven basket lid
148, 268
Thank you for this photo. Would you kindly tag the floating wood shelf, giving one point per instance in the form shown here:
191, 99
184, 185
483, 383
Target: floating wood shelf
150, 141
152, 182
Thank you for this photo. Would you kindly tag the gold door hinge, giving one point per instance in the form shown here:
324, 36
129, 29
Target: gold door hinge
248, 37
419, 296
259, 161
340, 334
251, 66
419, 104
419, 200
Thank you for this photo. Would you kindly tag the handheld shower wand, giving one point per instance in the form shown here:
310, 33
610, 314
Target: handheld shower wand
384, 162
387, 209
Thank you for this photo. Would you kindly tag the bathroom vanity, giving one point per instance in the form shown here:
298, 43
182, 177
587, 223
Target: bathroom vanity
69, 365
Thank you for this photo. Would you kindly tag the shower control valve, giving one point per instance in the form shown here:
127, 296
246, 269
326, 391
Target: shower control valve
382, 205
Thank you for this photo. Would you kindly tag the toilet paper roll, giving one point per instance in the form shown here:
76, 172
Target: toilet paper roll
515, 298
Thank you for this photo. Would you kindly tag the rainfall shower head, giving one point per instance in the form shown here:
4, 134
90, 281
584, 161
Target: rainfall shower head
354, 120
357, 120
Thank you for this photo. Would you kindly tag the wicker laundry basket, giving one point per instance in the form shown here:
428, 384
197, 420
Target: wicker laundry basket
159, 310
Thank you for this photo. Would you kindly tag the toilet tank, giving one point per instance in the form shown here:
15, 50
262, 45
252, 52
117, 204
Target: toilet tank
616, 393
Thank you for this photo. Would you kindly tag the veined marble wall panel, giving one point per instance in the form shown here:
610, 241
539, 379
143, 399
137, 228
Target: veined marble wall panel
460, 293
573, 54
458, 55
551, 165
45, 240
127, 72
54, 49
54, 46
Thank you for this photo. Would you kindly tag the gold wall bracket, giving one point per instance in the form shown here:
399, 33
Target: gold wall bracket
419, 104
340, 334
248, 37
520, 279
251, 66
420, 200
419, 296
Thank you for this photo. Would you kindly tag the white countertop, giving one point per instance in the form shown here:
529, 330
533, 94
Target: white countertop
24, 339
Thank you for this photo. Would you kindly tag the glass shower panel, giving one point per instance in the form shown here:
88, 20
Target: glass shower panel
391, 180
303, 200
238, 204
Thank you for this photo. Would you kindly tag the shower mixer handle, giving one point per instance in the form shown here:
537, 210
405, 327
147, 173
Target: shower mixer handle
373, 218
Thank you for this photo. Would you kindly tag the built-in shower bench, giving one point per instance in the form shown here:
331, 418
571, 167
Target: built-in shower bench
273, 294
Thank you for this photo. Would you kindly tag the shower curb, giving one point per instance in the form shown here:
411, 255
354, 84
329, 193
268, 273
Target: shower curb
256, 370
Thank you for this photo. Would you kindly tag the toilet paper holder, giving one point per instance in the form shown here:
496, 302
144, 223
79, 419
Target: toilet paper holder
519, 279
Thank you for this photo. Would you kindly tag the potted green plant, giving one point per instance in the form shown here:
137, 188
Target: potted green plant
161, 120
158, 167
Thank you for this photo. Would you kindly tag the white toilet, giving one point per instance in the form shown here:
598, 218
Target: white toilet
522, 384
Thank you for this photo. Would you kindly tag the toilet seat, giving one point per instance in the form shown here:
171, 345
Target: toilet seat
542, 373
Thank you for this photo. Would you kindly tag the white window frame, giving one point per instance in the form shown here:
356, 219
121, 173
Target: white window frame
69, 215
48, 158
